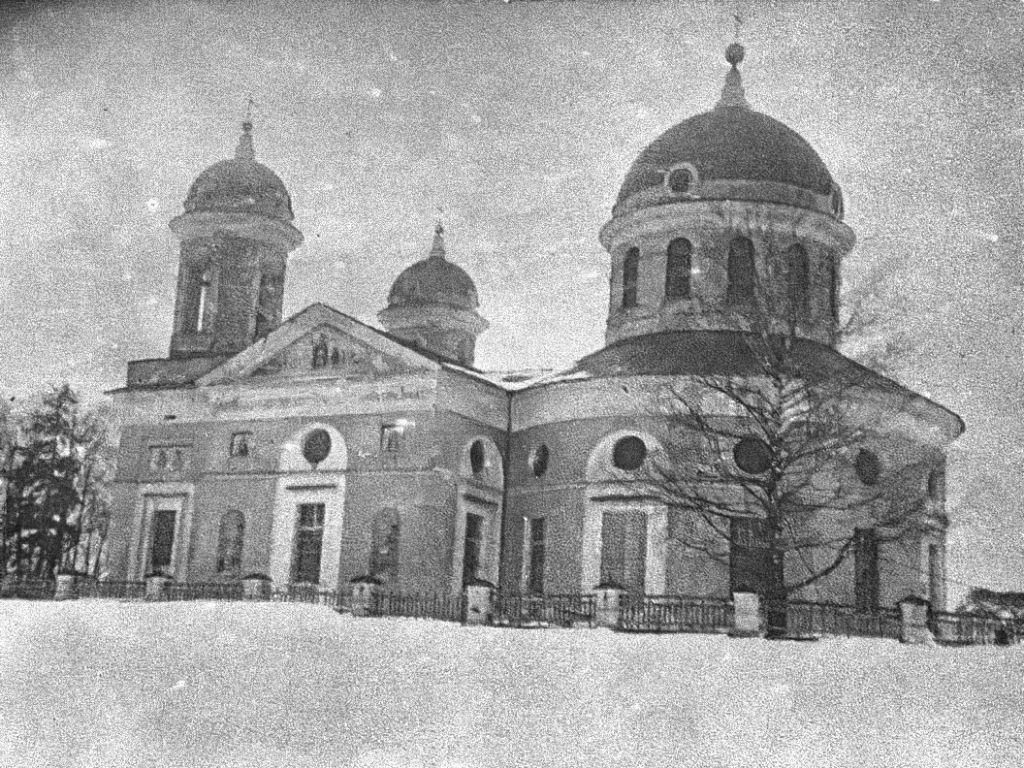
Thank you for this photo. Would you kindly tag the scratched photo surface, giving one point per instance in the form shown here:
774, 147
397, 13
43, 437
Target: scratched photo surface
496, 136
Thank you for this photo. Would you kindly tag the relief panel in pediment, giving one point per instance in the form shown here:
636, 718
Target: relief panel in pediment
330, 353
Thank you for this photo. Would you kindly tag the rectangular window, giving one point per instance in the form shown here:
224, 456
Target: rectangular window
240, 444
865, 566
472, 548
309, 539
533, 555
163, 540
624, 549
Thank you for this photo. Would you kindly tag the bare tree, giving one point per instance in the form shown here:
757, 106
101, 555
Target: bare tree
762, 462
874, 314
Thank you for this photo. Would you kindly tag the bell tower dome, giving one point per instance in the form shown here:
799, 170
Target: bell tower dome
235, 234
433, 304
728, 220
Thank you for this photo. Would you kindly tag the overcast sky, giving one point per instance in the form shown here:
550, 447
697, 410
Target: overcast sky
519, 120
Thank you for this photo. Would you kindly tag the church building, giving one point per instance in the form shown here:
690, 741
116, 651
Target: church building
317, 449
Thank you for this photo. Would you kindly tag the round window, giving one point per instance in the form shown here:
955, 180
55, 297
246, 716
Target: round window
476, 457
680, 180
539, 460
868, 467
629, 453
751, 454
316, 446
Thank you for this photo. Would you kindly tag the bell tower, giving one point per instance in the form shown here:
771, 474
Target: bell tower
236, 234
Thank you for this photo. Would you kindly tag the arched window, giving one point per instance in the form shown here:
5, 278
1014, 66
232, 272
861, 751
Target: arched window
937, 484
833, 296
630, 273
836, 203
266, 300
229, 543
384, 547
798, 281
477, 457
199, 321
740, 271
678, 269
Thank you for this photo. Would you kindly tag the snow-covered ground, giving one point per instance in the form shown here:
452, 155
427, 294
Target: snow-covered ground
102, 683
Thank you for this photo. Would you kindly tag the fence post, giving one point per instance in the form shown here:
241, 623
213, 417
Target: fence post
65, 587
746, 615
363, 590
156, 586
914, 621
479, 597
607, 601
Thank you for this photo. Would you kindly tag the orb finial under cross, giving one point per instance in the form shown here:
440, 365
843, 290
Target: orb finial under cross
734, 54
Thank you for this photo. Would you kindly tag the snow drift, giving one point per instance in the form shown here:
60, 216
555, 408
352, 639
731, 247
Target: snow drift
103, 683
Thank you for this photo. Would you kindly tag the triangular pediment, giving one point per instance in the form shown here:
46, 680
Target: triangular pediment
321, 343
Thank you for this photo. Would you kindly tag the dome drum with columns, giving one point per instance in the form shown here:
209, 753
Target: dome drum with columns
729, 186
434, 474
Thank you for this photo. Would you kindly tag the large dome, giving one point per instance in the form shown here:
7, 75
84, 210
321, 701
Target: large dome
434, 280
730, 153
240, 185
730, 143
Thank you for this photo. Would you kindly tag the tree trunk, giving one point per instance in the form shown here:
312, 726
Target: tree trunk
775, 586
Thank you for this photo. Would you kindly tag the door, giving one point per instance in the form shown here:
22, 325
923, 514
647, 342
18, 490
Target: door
624, 549
865, 561
472, 547
308, 543
163, 540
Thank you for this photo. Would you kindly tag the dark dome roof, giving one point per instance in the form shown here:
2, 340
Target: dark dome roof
240, 186
434, 280
734, 143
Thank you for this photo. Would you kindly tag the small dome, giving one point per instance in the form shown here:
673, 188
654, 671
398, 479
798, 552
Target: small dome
733, 143
434, 280
240, 185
